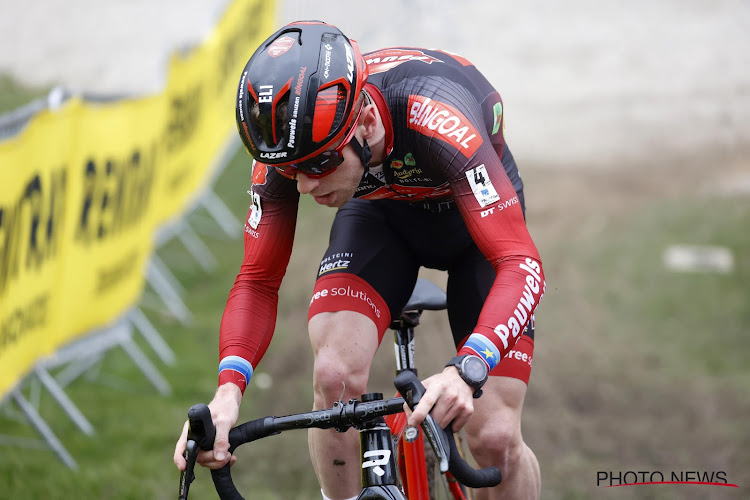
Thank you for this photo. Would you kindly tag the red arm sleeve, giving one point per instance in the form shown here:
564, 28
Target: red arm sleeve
250, 314
493, 215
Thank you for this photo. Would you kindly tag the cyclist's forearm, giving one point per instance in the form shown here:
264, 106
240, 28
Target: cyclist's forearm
247, 327
513, 299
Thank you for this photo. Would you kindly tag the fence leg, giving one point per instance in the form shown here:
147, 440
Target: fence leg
74, 370
196, 247
157, 343
221, 213
42, 428
170, 278
143, 363
157, 278
64, 401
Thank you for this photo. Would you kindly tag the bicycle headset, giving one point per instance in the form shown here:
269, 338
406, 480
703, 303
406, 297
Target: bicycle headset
298, 95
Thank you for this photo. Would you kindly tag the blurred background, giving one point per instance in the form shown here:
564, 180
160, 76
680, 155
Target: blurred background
630, 122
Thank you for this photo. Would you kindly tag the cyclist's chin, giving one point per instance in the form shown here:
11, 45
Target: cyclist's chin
335, 199
328, 200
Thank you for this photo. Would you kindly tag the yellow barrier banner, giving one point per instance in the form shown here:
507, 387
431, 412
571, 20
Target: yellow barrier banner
84, 188
110, 198
33, 190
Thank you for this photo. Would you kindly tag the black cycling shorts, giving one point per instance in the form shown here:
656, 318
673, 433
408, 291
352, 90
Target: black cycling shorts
385, 242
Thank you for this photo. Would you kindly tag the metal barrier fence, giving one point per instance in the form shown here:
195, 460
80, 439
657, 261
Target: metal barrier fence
55, 372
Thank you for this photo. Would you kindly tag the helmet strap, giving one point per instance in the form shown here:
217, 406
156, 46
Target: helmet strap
365, 155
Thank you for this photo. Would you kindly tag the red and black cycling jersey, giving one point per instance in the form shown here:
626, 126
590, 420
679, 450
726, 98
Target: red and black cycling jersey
444, 135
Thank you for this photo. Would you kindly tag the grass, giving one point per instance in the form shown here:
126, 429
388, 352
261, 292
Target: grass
702, 317
644, 368
14, 94
636, 367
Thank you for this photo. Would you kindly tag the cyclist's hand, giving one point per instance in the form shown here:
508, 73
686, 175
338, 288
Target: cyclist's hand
448, 399
225, 409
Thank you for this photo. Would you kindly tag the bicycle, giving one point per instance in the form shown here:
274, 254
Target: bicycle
417, 467
381, 423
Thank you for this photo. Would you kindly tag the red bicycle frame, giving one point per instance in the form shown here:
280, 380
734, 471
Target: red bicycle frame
411, 462
411, 459
412, 465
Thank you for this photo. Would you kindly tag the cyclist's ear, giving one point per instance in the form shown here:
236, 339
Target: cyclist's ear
368, 120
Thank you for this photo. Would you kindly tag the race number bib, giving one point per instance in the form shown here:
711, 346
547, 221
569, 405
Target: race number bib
482, 186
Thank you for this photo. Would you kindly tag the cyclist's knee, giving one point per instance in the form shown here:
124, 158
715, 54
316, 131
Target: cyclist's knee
334, 377
344, 344
342, 360
497, 443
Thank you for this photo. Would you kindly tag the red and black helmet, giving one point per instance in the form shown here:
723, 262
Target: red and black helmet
315, 70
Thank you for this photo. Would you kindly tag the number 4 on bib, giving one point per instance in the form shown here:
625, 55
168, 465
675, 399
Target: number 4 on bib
482, 186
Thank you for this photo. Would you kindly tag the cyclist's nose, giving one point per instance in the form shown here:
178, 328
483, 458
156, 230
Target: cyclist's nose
306, 184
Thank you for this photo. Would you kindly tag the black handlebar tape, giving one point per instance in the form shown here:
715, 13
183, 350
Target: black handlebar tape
466, 474
224, 485
202, 429
250, 431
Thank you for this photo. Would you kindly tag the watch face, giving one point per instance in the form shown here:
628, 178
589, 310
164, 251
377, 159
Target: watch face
474, 368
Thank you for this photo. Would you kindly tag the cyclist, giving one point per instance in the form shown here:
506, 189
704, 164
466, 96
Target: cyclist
407, 143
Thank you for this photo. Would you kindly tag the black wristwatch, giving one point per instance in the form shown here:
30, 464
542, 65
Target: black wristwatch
472, 369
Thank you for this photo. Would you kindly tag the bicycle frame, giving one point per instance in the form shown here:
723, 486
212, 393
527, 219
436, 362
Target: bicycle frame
412, 448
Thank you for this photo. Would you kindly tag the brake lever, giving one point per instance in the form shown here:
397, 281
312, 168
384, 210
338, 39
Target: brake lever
412, 391
201, 434
438, 441
188, 475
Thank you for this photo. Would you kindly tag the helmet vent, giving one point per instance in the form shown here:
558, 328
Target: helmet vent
280, 120
330, 105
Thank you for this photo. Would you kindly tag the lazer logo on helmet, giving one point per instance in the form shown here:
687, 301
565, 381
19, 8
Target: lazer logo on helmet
273, 156
437, 119
514, 325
